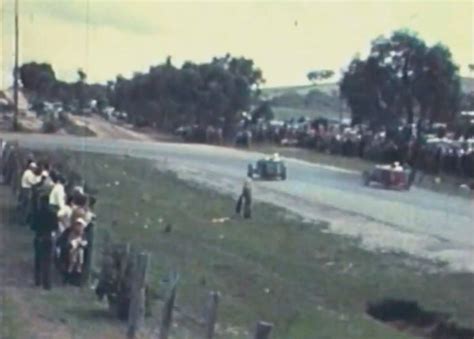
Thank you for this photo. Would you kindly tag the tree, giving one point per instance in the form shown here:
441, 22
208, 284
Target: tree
402, 78
438, 91
80, 88
37, 77
212, 93
82, 75
263, 111
361, 87
64, 92
315, 76
40, 80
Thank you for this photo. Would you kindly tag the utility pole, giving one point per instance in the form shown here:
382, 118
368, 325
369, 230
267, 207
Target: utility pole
341, 108
15, 71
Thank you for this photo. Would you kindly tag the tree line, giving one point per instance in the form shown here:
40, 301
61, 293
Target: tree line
212, 93
402, 79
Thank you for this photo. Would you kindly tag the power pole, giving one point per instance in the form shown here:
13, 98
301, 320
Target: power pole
15, 71
341, 108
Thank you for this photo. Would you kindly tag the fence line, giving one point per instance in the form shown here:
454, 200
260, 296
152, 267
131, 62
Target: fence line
132, 272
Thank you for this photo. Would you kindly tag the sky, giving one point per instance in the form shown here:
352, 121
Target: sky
286, 39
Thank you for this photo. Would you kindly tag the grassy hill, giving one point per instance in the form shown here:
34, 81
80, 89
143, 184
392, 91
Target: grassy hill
301, 90
284, 113
325, 101
293, 101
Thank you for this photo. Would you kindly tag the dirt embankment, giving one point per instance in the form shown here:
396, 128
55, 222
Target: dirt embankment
105, 129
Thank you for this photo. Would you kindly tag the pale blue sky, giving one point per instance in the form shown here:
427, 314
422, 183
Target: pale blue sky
285, 38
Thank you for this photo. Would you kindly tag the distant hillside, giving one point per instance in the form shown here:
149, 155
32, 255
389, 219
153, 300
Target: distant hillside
467, 85
307, 100
289, 101
301, 90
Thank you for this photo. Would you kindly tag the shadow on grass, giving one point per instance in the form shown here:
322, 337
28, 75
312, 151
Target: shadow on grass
91, 314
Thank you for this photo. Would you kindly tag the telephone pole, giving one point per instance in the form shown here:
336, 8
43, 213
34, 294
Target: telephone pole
15, 71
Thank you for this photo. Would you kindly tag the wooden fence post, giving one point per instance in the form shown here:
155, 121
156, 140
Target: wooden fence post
167, 314
263, 330
136, 316
211, 314
3, 153
126, 266
124, 261
7, 165
17, 172
12, 153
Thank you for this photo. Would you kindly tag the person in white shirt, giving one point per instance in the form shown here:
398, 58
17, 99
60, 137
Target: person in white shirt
29, 177
57, 197
28, 180
64, 216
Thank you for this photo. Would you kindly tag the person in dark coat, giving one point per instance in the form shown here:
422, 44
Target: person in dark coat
245, 200
44, 225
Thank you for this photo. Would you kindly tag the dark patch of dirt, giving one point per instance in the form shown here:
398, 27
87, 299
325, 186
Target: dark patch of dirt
408, 316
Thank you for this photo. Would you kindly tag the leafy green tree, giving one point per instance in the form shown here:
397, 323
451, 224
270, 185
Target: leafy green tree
264, 110
38, 78
80, 89
402, 78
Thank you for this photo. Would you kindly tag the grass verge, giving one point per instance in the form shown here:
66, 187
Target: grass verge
10, 324
274, 267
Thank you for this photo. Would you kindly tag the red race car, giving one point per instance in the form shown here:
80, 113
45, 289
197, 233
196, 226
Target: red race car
391, 176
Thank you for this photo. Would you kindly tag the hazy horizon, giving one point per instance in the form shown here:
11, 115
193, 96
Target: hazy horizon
285, 39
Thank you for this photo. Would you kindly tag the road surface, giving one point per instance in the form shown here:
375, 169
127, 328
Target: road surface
419, 222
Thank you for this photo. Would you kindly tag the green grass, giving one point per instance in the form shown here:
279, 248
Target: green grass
10, 321
275, 267
322, 104
327, 88
29, 312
